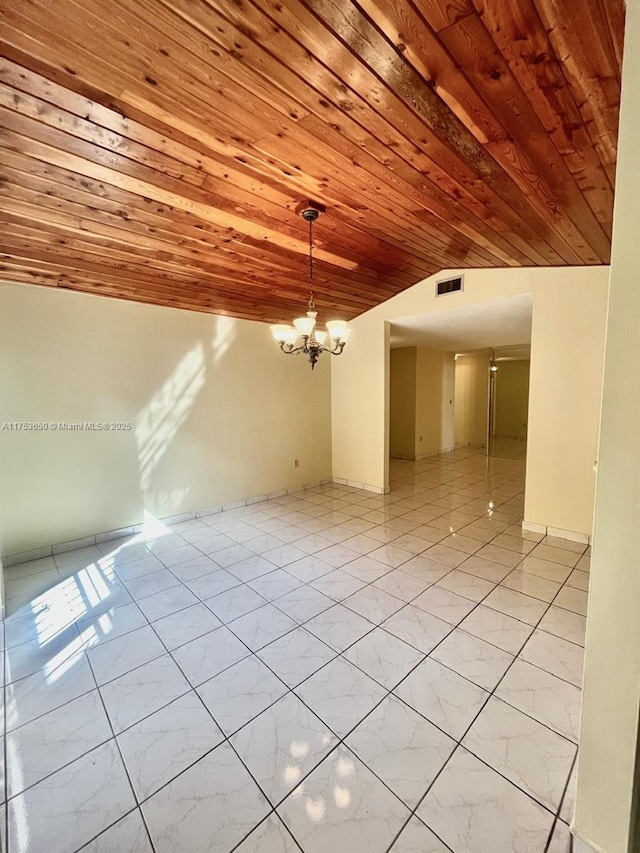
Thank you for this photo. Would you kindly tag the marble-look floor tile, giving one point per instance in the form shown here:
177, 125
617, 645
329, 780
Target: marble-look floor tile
466, 585
303, 603
367, 569
562, 841
384, 657
337, 555
402, 748
527, 753
442, 696
572, 599
262, 626
283, 554
210, 807
496, 628
391, 555
214, 583
339, 627
240, 693
152, 583
251, 568
309, 568
341, 805
502, 556
464, 544
569, 801
164, 744
545, 569
272, 836
234, 603
166, 602
442, 554
111, 660
296, 656
185, 625
131, 569
564, 623
544, 697
426, 570
39, 693
446, 605
208, 655
565, 544
402, 585
416, 838
418, 628
196, 568
112, 623
142, 691
555, 655
514, 543
373, 603
474, 810
58, 654
338, 585
67, 809
282, 745
515, 604
226, 557
340, 694
46, 744
129, 834
578, 580
556, 555
532, 585
485, 569
275, 584
473, 658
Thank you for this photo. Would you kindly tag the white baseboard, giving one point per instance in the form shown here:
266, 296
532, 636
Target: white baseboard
571, 535
378, 490
123, 532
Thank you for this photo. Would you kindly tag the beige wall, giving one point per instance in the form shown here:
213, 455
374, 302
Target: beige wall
434, 401
421, 394
402, 403
609, 731
567, 353
218, 414
563, 482
511, 400
472, 399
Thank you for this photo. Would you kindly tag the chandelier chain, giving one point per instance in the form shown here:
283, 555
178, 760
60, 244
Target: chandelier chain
312, 303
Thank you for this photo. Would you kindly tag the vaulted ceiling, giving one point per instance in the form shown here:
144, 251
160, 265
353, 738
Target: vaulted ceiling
156, 150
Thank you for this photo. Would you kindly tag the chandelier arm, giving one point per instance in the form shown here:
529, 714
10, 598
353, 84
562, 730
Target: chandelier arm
334, 351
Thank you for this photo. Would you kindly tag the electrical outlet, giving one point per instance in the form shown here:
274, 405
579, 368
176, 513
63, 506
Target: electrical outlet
420, 438
296, 463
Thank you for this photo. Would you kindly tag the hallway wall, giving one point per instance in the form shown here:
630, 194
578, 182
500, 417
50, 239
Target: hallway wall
512, 399
471, 399
402, 403
569, 310
217, 414
434, 401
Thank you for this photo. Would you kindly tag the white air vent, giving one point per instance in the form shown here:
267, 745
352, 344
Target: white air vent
452, 285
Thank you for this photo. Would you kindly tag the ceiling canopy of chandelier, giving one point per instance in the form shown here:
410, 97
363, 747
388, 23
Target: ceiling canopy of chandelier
303, 337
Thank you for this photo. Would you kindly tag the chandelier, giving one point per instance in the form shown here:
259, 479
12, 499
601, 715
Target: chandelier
303, 337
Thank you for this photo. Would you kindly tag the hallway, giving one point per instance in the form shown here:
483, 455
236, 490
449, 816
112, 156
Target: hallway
328, 668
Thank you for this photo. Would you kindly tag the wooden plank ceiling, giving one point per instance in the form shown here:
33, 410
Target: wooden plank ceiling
156, 150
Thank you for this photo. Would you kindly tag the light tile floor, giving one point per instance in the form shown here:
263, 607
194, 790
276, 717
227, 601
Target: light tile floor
328, 670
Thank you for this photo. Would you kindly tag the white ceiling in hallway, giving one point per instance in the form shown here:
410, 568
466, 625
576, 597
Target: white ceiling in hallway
496, 323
